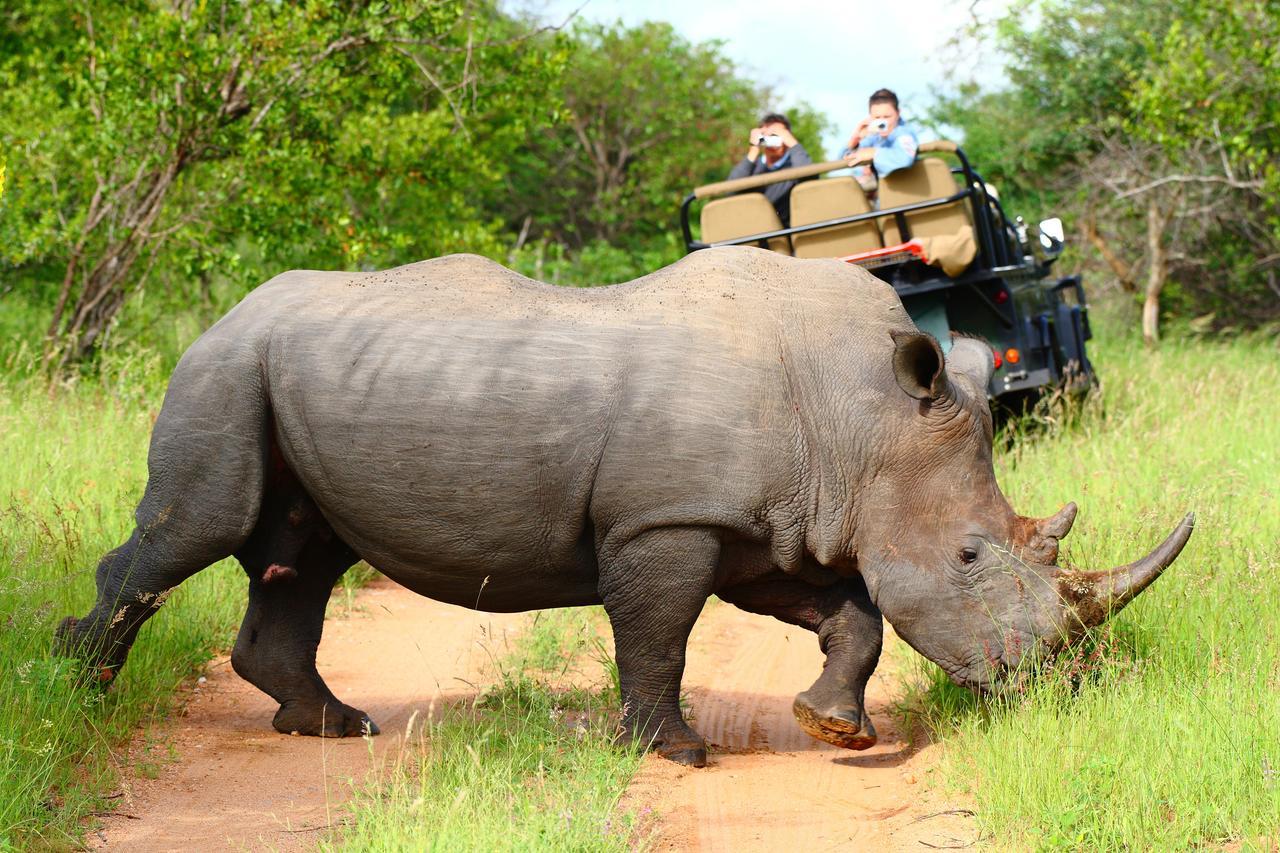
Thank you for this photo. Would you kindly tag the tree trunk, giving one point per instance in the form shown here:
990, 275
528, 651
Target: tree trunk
76, 332
1123, 272
1157, 271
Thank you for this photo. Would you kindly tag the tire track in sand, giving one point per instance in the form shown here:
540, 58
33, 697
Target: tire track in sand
237, 784
769, 786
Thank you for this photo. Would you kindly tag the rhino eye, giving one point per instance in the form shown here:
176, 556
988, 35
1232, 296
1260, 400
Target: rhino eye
968, 555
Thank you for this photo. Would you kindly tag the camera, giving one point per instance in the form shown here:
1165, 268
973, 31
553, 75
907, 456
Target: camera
773, 140
879, 125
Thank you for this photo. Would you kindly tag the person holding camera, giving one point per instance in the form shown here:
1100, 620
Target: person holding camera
773, 147
882, 141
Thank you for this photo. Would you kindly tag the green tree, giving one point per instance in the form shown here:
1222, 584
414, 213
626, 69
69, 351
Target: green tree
648, 115
330, 130
1152, 123
1206, 100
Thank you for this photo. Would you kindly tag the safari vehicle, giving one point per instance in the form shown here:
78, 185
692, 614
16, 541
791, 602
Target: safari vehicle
941, 238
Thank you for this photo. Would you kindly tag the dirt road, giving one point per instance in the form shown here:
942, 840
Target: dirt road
231, 782
223, 779
769, 786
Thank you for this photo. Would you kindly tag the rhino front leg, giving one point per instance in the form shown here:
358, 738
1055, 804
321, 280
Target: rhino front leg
850, 633
275, 650
653, 589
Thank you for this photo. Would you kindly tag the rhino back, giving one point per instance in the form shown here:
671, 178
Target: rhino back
457, 422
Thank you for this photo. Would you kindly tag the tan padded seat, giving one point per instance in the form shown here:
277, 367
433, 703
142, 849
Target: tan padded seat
832, 198
946, 230
928, 178
742, 216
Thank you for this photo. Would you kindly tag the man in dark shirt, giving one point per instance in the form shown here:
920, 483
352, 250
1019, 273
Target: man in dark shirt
773, 148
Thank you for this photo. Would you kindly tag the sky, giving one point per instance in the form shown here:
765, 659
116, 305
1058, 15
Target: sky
831, 54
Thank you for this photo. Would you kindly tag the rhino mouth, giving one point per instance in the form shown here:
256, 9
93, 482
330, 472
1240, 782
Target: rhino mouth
1005, 680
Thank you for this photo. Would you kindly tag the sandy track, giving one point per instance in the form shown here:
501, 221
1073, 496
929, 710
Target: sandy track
236, 784
769, 786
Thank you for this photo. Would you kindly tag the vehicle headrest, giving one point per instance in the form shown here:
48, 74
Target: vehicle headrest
944, 145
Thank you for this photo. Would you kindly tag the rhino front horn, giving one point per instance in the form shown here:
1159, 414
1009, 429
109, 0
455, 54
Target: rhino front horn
1097, 596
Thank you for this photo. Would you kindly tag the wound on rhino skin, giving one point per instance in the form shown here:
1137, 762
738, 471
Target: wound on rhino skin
276, 572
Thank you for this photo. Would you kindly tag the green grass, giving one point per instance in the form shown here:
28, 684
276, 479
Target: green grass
1163, 733
529, 765
74, 466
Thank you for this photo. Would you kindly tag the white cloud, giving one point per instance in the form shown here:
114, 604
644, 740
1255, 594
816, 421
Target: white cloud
831, 54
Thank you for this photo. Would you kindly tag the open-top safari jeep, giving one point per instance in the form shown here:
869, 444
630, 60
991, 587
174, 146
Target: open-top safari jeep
941, 238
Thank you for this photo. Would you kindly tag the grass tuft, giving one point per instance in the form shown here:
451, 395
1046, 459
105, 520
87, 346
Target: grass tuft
525, 766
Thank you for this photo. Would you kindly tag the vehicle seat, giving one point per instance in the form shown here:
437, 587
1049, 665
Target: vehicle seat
741, 216
949, 225
831, 198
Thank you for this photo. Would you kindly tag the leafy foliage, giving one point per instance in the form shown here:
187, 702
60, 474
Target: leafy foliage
329, 133
148, 184
648, 116
1152, 126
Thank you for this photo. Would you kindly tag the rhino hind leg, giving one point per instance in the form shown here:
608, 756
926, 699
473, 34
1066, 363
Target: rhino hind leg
206, 474
850, 632
653, 589
293, 559
133, 582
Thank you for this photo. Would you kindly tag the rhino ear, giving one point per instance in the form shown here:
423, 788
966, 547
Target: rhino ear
918, 364
973, 359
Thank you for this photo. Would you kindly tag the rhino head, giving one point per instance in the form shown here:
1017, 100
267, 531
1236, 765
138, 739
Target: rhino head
966, 581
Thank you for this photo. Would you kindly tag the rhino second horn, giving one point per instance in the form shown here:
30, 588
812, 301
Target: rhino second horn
1095, 597
1059, 524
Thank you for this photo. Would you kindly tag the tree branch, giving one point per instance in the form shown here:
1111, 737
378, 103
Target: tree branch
459, 123
1124, 272
347, 42
1190, 179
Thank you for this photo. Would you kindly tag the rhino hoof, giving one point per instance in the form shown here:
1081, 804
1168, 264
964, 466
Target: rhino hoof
843, 727
64, 632
94, 670
328, 720
690, 756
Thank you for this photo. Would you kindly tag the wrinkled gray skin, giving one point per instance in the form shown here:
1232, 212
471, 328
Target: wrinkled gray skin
769, 430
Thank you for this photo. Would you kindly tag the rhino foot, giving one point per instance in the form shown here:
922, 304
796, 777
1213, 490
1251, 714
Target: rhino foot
688, 755
846, 727
331, 719
683, 747
73, 639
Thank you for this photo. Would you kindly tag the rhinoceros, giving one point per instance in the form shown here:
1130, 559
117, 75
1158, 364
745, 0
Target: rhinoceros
772, 431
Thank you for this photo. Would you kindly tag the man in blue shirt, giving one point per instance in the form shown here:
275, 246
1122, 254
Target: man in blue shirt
881, 139
772, 148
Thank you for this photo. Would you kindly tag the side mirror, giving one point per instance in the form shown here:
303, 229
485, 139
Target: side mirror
1048, 236
1051, 232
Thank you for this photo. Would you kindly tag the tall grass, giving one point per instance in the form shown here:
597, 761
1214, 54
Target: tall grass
73, 469
1163, 732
